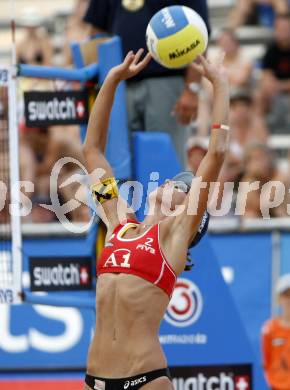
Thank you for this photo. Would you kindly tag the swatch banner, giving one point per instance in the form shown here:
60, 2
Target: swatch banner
233, 377
60, 273
44, 108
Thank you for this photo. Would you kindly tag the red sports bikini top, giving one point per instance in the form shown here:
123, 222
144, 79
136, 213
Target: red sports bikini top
140, 256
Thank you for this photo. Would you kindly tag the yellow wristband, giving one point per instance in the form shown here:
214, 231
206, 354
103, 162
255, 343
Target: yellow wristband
106, 190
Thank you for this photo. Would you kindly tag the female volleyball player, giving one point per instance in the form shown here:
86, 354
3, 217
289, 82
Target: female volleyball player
139, 265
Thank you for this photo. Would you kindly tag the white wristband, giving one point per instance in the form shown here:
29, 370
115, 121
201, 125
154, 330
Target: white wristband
194, 87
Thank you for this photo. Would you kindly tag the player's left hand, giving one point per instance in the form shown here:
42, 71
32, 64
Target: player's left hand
131, 65
215, 72
185, 109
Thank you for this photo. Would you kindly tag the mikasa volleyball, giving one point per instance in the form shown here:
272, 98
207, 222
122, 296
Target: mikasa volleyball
175, 36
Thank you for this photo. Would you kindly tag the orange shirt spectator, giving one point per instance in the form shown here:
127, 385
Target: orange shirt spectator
276, 341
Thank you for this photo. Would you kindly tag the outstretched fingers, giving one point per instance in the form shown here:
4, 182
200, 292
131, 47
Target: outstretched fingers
129, 59
138, 56
202, 66
203, 60
199, 67
142, 64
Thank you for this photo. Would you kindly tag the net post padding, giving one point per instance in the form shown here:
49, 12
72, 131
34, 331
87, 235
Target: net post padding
46, 72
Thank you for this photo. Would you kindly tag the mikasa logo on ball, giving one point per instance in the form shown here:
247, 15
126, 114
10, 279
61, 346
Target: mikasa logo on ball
178, 53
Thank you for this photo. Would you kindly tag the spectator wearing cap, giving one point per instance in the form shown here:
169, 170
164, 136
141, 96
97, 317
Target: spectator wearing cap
276, 340
35, 47
273, 96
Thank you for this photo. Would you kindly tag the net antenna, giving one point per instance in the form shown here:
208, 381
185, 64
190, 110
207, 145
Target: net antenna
10, 222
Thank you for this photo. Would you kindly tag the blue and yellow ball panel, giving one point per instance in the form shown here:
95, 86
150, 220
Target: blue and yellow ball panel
176, 35
168, 21
181, 49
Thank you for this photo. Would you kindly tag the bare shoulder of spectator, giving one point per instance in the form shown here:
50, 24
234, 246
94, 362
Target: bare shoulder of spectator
239, 13
280, 6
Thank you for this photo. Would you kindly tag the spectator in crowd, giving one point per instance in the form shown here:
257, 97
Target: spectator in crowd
256, 12
247, 126
231, 173
171, 91
41, 149
259, 165
276, 340
196, 150
274, 93
76, 29
239, 67
35, 47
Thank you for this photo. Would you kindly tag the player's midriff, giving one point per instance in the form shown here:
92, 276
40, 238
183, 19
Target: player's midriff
129, 311
134, 286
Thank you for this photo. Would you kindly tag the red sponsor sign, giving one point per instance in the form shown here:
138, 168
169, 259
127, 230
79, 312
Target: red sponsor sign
43, 385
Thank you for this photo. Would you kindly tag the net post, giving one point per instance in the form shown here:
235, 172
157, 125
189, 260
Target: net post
16, 236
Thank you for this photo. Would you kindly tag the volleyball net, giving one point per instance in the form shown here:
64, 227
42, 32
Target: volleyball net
10, 223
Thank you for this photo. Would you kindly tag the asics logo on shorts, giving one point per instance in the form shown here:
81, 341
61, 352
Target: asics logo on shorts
134, 382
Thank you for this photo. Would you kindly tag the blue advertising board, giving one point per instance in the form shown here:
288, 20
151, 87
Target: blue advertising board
285, 253
212, 324
43, 337
246, 262
202, 326
202, 333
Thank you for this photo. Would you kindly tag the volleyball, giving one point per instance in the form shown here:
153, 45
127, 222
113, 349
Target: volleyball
175, 36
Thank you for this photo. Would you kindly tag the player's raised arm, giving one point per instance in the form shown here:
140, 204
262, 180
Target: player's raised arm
101, 173
211, 164
96, 138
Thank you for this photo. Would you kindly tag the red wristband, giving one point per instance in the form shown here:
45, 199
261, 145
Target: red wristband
220, 126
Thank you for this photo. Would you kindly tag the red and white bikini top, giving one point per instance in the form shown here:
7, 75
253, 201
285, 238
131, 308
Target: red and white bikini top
140, 256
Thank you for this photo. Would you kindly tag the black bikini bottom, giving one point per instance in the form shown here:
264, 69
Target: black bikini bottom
130, 383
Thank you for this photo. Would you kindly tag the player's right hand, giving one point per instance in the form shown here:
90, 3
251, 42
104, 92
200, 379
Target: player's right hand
131, 65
